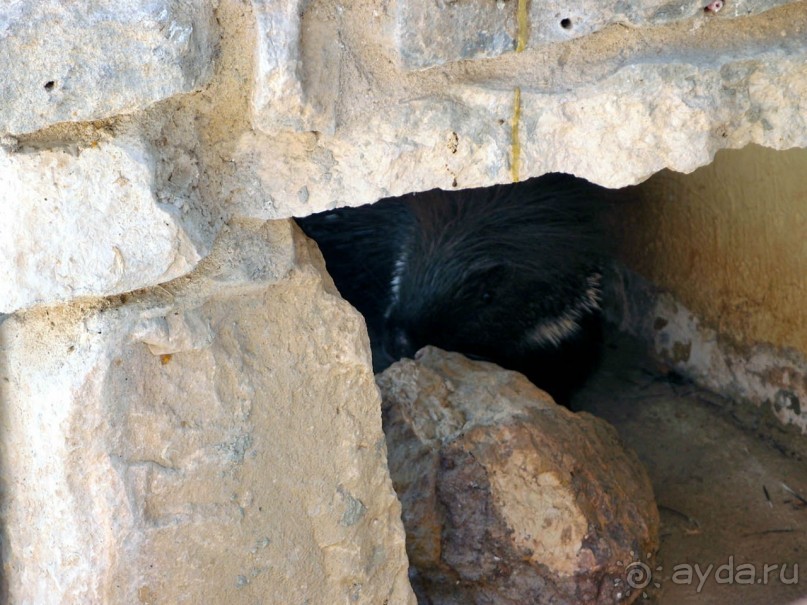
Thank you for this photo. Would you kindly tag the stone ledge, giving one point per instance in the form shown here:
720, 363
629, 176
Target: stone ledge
89, 222
71, 62
434, 33
616, 132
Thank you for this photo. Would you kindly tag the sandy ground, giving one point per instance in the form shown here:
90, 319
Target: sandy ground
731, 490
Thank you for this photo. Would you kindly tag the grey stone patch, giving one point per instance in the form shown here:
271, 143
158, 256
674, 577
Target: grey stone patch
174, 333
354, 508
235, 449
260, 544
786, 402
431, 33
75, 62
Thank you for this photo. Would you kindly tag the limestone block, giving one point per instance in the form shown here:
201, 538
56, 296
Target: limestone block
64, 61
431, 33
508, 497
91, 221
296, 76
613, 108
215, 440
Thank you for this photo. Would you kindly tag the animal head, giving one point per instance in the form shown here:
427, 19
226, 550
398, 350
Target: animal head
493, 273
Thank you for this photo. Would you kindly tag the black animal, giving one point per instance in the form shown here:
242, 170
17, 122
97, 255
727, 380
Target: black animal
509, 274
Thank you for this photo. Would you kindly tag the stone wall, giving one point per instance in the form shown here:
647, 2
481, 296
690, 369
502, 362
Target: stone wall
187, 407
725, 251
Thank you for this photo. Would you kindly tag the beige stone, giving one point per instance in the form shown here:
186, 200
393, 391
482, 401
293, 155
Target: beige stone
143, 436
91, 221
613, 107
296, 85
740, 223
508, 497
63, 62
432, 33
726, 248
216, 440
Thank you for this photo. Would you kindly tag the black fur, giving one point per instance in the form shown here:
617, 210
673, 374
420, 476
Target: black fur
478, 271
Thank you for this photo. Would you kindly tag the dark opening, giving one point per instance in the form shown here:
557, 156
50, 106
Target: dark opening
508, 274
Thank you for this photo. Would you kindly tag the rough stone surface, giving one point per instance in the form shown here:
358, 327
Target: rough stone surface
114, 418
613, 108
740, 223
431, 33
508, 497
760, 373
187, 445
296, 86
69, 62
89, 220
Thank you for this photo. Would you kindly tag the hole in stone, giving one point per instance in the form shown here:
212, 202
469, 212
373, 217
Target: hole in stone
714, 7
659, 231
466, 245
49, 85
566, 23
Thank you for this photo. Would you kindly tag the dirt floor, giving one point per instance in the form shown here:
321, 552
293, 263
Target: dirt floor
731, 487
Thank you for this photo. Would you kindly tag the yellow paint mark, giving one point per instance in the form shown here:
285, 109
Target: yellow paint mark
521, 43
521, 16
516, 142
165, 359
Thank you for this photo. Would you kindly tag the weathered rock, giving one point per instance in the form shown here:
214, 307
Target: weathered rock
760, 373
66, 62
508, 497
296, 85
189, 445
613, 108
83, 221
432, 33
186, 442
